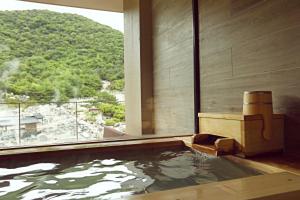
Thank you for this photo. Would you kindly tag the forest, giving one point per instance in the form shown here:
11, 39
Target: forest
49, 56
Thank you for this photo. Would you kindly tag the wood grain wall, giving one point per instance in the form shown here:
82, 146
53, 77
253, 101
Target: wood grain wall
132, 65
173, 66
251, 45
138, 67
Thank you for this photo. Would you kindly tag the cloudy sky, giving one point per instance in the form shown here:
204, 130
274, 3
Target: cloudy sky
114, 20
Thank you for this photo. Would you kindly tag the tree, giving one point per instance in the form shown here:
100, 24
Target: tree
59, 52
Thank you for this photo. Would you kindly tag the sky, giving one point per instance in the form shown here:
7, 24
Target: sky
112, 19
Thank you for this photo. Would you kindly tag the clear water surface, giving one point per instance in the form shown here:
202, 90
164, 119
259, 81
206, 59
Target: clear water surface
97, 176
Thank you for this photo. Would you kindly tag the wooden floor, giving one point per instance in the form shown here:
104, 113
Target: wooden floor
279, 186
289, 161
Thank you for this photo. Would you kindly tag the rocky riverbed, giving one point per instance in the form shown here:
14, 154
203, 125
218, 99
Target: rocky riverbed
53, 123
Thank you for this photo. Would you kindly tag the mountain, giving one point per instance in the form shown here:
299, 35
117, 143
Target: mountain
50, 56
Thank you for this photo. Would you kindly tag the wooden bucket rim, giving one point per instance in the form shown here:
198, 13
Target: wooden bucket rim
258, 92
257, 103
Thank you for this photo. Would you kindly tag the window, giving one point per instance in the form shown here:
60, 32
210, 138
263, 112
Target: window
62, 74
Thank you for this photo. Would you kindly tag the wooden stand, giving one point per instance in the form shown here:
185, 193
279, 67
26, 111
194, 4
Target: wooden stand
214, 145
245, 130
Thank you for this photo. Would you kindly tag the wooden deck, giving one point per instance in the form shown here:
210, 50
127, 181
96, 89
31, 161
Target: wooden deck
288, 161
279, 186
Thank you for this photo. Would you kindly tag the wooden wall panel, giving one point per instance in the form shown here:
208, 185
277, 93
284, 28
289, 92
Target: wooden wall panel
173, 66
133, 104
146, 65
138, 67
277, 51
265, 18
251, 45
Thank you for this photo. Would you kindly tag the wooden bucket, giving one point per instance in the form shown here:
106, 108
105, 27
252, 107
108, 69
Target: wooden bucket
260, 102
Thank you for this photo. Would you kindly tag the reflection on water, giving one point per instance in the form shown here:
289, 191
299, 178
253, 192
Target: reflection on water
31, 168
99, 177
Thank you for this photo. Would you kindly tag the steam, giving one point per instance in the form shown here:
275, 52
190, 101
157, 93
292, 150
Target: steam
56, 97
4, 47
10, 68
75, 92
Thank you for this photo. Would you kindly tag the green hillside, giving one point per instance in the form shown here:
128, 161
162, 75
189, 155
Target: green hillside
53, 56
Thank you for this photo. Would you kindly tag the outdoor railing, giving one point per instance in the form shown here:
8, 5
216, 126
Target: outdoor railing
28, 124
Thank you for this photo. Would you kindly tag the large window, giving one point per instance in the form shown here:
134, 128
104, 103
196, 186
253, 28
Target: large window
61, 74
